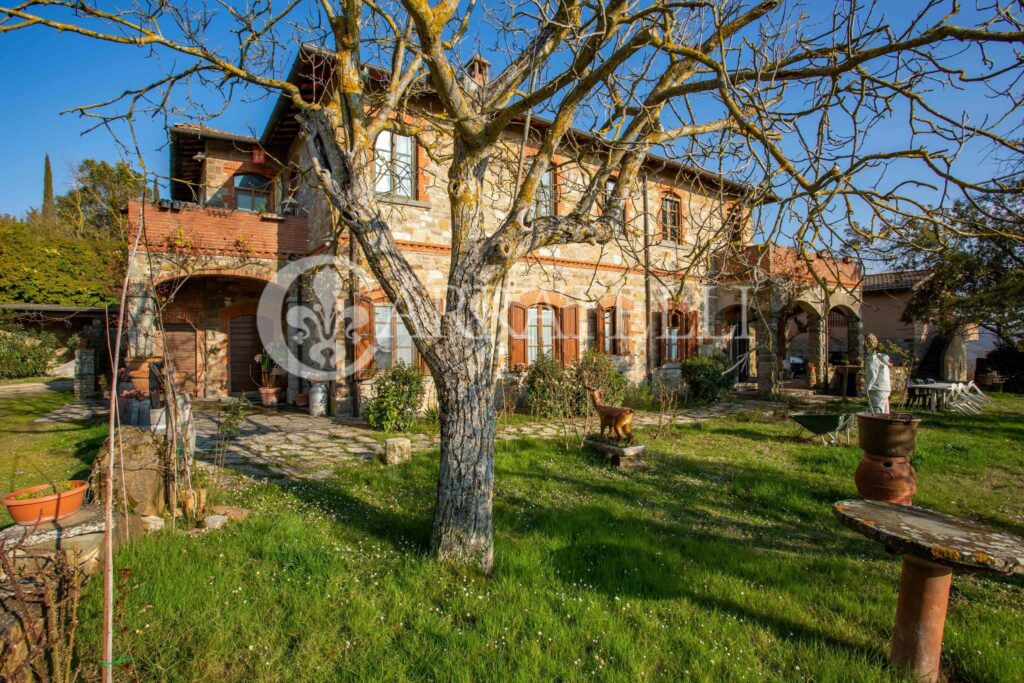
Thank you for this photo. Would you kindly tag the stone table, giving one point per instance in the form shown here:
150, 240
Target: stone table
933, 545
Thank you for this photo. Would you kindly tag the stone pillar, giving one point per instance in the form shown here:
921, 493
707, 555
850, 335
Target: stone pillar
294, 381
141, 328
855, 339
85, 373
766, 337
816, 344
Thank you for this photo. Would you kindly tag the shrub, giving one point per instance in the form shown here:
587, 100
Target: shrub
551, 391
1008, 361
707, 377
397, 395
597, 370
24, 353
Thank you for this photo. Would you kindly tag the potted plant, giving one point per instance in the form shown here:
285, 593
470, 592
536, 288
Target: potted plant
46, 502
268, 381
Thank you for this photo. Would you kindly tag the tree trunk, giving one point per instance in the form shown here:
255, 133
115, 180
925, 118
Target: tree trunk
463, 524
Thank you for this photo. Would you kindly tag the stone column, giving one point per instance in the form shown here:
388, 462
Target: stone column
294, 381
141, 316
816, 344
85, 373
766, 337
855, 339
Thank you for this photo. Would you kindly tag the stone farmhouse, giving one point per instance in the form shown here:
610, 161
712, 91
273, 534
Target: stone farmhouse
241, 208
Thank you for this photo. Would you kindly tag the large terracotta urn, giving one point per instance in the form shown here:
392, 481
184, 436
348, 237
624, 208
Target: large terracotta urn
885, 472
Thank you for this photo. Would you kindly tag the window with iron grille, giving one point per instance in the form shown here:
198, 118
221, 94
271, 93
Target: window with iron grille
396, 165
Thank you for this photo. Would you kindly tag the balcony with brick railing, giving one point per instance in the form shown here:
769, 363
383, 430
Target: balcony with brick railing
190, 228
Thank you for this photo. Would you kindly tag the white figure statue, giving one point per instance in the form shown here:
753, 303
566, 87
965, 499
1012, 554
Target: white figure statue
876, 376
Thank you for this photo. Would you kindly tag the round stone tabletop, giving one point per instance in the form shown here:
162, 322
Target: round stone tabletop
933, 536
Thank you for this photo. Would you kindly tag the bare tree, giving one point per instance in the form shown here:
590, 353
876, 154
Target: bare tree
760, 90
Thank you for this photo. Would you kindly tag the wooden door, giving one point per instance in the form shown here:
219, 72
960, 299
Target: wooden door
180, 347
739, 348
243, 345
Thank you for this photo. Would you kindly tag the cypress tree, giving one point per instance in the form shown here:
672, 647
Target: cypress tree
49, 208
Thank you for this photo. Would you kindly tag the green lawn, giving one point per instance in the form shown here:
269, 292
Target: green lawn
721, 562
36, 453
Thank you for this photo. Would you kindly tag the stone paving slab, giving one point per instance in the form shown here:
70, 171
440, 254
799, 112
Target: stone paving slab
275, 445
77, 411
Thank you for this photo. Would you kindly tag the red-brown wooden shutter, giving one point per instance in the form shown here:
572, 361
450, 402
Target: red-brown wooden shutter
599, 329
692, 337
421, 172
439, 305
362, 338
661, 332
623, 331
570, 334
516, 335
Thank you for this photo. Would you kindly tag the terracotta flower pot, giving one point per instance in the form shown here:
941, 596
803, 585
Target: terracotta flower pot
48, 508
885, 472
137, 364
268, 396
891, 435
302, 400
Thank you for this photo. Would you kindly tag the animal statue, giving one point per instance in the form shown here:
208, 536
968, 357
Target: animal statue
618, 421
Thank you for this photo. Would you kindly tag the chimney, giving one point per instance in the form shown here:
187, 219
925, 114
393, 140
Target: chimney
479, 70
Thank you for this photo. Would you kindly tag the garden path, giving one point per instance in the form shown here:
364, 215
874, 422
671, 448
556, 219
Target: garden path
287, 444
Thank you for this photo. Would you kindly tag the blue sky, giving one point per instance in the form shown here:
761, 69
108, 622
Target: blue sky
43, 73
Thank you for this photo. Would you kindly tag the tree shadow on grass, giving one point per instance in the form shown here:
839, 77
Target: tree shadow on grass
404, 531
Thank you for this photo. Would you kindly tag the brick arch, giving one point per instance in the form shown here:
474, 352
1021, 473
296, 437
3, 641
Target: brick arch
376, 295
666, 306
219, 272
538, 296
615, 301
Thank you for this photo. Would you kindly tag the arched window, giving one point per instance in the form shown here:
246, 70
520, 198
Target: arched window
676, 330
396, 165
540, 332
671, 219
542, 322
252, 192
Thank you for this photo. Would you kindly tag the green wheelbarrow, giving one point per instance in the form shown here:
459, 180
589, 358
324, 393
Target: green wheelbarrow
827, 426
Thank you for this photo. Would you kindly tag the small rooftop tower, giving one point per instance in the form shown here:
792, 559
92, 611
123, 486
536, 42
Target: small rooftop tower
479, 70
